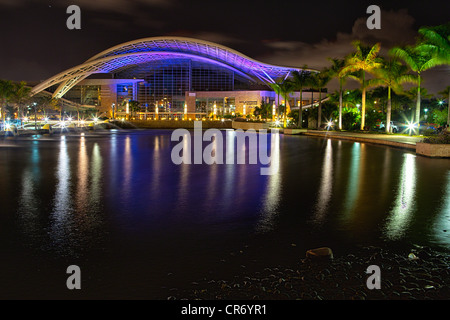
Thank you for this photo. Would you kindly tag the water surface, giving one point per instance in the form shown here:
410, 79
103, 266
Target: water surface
137, 224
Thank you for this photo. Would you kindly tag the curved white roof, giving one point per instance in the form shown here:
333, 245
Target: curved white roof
158, 48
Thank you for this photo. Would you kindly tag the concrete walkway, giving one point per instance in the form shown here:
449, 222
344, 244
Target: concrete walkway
393, 140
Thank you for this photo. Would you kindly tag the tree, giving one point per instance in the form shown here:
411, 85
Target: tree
436, 40
6, 89
20, 95
301, 79
264, 111
364, 60
446, 94
335, 71
319, 81
134, 106
277, 89
418, 59
286, 88
392, 75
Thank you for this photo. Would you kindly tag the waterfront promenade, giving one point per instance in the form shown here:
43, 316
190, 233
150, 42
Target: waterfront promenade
399, 141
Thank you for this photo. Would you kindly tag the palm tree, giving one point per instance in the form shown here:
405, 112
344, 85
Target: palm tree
418, 59
134, 106
319, 81
392, 75
446, 94
301, 79
276, 87
365, 59
20, 95
286, 88
6, 89
436, 40
335, 69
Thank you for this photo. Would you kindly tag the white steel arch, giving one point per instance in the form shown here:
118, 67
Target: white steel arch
158, 48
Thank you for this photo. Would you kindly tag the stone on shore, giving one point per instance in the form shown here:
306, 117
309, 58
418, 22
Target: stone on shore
320, 253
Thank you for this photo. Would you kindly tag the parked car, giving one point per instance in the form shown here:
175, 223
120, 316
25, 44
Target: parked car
423, 125
395, 126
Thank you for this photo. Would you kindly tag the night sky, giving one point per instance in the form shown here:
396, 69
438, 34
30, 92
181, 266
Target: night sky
36, 44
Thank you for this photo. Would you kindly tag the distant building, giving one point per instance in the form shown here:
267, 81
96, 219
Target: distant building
171, 75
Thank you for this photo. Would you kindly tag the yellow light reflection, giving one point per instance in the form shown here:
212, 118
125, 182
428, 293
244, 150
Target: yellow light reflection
400, 216
326, 185
127, 168
183, 192
96, 175
353, 180
82, 188
62, 203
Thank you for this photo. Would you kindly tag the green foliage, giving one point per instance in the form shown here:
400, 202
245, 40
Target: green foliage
330, 110
436, 41
439, 116
351, 117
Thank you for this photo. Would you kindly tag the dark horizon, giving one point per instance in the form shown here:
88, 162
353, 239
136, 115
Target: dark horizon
38, 44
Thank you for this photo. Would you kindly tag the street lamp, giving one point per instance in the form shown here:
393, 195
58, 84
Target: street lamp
273, 111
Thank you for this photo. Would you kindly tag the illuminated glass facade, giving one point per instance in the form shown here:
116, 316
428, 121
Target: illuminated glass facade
167, 73
84, 95
166, 82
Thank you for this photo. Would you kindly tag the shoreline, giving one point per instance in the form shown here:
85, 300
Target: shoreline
419, 274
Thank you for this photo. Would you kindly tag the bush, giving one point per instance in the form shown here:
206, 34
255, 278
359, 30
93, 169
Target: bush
442, 138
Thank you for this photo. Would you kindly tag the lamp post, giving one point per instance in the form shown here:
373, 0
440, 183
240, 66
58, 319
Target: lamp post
35, 115
113, 107
273, 111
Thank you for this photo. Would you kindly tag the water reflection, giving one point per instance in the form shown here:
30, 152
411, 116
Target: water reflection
82, 187
326, 184
157, 167
62, 208
272, 195
96, 178
184, 181
28, 209
400, 216
385, 177
353, 180
441, 228
127, 169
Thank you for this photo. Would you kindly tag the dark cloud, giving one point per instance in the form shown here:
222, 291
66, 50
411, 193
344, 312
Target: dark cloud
397, 28
36, 43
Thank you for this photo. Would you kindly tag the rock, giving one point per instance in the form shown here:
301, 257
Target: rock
412, 256
323, 253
